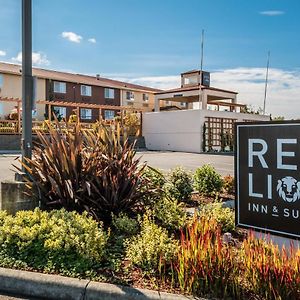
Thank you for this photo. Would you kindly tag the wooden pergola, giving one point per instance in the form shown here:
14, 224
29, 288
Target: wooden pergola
77, 106
231, 105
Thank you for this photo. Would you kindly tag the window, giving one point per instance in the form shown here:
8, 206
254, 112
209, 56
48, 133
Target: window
109, 93
61, 112
109, 114
191, 80
168, 102
59, 87
86, 90
183, 104
130, 96
145, 97
85, 114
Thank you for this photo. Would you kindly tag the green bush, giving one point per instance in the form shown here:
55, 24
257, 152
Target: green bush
154, 181
155, 176
125, 225
223, 216
56, 241
170, 213
179, 185
151, 246
207, 181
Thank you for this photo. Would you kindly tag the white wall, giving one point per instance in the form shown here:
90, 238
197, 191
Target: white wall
182, 130
172, 130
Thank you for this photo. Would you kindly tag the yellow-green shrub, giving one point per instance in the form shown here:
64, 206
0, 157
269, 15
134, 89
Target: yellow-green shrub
125, 225
223, 215
56, 241
170, 213
151, 246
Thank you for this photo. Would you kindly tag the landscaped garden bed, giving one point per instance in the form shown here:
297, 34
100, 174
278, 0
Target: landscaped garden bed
105, 216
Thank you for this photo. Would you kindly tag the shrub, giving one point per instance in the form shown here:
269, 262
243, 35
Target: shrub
56, 241
205, 265
271, 273
228, 184
224, 216
179, 185
170, 213
207, 181
125, 225
151, 246
86, 170
154, 176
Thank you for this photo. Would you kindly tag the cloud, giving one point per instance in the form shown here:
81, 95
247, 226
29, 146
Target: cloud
283, 94
38, 59
71, 36
2, 53
272, 13
92, 40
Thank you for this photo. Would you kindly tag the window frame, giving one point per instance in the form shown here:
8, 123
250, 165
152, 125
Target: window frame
145, 97
109, 111
86, 116
64, 108
87, 88
60, 90
107, 93
131, 98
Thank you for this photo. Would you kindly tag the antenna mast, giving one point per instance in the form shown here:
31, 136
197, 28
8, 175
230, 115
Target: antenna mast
201, 68
266, 83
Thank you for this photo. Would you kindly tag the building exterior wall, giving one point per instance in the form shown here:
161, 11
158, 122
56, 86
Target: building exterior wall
138, 101
12, 88
183, 130
73, 94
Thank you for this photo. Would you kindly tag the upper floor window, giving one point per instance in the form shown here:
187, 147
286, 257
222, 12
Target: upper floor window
145, 97
60, 112
59, 87
86, 90
109, 114
191, 80
130, 96
109, 93
85, 114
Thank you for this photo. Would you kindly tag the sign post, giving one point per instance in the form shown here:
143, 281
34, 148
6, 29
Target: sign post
267, 172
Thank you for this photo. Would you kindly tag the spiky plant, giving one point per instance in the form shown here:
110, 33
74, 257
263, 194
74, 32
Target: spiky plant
83, 170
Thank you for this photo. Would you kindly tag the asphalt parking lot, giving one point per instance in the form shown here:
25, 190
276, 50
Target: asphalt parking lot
157, 159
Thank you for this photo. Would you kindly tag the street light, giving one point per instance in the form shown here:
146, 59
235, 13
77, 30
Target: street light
27, 82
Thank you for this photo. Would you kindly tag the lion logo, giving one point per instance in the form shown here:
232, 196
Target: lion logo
288, 189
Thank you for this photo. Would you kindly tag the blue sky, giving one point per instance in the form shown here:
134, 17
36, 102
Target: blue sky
140, 39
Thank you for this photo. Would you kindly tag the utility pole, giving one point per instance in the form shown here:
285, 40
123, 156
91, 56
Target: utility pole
266, 83
27, 82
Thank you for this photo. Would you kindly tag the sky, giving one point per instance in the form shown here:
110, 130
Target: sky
151, 42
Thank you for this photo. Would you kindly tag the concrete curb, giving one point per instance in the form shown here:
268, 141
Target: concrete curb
56, 287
